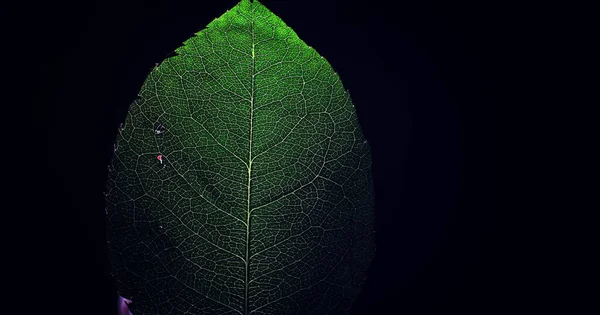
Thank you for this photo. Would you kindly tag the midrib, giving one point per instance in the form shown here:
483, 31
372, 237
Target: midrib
247, 260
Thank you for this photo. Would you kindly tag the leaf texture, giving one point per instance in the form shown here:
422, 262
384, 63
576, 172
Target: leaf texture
241, 182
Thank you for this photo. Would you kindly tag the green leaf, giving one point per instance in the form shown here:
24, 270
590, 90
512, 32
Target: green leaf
241, 181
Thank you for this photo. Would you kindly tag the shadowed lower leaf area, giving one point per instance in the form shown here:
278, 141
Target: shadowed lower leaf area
241, 180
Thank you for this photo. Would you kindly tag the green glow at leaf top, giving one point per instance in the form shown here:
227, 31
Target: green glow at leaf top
255, 194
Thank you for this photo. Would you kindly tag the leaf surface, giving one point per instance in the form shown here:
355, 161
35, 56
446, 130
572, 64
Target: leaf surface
241, 182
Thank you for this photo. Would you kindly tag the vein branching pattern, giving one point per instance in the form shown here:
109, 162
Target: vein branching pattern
241, 182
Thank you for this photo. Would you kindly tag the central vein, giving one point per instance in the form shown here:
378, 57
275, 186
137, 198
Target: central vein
247, 260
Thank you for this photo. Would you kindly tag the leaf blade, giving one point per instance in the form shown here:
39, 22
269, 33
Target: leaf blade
266, 175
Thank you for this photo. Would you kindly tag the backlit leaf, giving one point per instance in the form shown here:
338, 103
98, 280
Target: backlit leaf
241, 182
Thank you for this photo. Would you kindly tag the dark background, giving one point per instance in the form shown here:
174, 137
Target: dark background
440, 90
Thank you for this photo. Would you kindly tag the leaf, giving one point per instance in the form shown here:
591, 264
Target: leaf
241, 182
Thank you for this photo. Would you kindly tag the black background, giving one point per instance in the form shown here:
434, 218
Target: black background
439, 88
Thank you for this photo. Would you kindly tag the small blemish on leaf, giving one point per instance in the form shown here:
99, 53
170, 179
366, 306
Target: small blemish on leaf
123, 308
160, 158
159, 128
